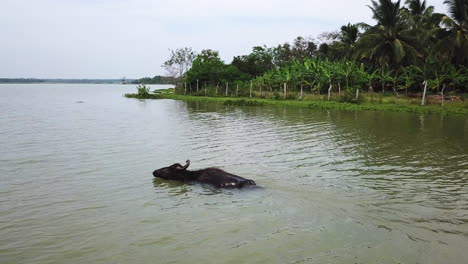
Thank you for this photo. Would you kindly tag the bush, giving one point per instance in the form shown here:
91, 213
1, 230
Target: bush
143, 91
277, 95
349, 96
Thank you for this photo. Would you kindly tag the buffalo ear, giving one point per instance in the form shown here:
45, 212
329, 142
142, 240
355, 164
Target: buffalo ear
179, 167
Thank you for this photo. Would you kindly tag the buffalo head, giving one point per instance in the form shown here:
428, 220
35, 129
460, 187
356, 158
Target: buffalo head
173, 172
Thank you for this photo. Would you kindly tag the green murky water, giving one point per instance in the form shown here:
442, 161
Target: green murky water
337, 187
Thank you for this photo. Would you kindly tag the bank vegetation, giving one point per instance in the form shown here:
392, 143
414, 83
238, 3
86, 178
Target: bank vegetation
410, 56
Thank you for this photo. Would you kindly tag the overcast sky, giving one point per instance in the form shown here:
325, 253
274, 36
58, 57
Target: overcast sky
114, 38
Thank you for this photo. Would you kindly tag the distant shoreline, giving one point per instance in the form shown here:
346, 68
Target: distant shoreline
37, 80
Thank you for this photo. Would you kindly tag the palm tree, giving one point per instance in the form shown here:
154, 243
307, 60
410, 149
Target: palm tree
453, 44
349, 36
390, 41
423, 22
417, 8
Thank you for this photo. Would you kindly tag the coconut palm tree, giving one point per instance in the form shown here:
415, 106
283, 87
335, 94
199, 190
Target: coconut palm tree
349, 36
417, 8
390, 42
453, 44
423, 22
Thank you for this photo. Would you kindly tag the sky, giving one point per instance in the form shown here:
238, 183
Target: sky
108, 39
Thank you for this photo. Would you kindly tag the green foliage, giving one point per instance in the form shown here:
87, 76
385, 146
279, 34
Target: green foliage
256, 63
155, 80
277, 96
143, 91
453, 44
349, 96
390, 42
407, 45
208, 68
244, 102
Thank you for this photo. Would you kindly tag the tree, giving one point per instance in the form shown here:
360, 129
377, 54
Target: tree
259, 61
390, 41
423, 22
323, 50
206, 68
349, 35
282, 55
303, 48
453, 43
179, 62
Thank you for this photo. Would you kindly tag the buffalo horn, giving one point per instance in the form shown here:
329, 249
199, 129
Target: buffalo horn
184, 167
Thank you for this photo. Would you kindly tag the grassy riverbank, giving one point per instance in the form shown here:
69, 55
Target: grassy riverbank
379, 103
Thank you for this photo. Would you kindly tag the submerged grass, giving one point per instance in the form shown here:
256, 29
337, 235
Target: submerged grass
382, 104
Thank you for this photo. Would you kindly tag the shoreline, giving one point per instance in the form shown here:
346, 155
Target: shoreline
456, 108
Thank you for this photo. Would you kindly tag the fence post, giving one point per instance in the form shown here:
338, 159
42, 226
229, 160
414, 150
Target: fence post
423, 102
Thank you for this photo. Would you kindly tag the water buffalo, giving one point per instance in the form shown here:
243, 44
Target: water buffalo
214, 176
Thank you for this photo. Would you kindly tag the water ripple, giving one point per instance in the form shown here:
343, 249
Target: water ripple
76, 182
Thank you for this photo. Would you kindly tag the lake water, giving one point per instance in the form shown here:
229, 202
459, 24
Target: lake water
336, 187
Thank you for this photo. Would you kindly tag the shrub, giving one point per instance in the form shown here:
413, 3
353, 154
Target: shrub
349, 96
143, 91
276, 95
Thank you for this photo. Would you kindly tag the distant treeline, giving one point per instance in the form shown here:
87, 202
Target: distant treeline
20, 80
155, 80
34, 80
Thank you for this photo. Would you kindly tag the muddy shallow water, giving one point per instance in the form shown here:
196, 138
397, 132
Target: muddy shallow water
336, 187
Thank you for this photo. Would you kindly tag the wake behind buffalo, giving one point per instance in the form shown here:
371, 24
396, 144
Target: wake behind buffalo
214, 176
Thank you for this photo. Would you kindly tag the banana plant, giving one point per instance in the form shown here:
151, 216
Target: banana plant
347, 68
408, 76
393, 77
437, 81
453, 77
318, 73
384, 76
298, 75
309, 73
368, 77
267, 78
